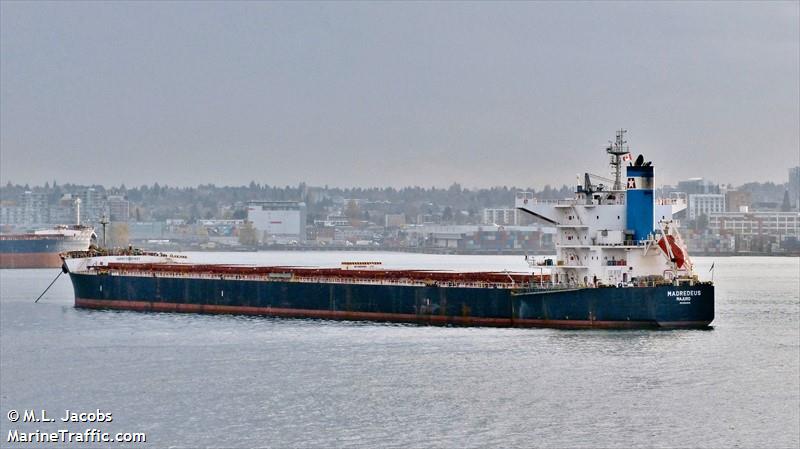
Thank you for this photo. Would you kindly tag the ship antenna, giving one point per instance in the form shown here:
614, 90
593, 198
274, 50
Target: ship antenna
617, 150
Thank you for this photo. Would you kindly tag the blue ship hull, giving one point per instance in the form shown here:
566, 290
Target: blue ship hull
28, 251
635, 307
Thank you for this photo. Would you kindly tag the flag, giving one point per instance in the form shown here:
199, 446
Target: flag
626, 157
712, 267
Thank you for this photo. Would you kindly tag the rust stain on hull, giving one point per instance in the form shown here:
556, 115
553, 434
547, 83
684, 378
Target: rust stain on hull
439, 320
30, 260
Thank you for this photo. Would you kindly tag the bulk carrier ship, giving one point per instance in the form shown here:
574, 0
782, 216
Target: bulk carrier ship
43, 248
619, 263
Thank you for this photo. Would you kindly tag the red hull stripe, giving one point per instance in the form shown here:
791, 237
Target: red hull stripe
147, 306
30, 260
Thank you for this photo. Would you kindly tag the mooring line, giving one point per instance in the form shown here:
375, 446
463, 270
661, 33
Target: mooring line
60, 272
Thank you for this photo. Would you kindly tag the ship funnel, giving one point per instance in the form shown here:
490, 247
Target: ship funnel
640, 200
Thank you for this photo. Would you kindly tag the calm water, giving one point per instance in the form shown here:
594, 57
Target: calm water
223, 381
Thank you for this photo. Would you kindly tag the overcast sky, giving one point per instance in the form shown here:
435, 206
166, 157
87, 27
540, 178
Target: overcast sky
379, 94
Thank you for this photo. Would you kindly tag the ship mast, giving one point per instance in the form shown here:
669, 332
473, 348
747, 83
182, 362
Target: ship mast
104, 222
77, 211
617, 150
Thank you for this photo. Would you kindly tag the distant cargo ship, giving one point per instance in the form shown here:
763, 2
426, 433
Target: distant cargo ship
614, 268
42, 248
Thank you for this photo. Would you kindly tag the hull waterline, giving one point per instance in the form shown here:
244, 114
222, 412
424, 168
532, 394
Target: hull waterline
605, 308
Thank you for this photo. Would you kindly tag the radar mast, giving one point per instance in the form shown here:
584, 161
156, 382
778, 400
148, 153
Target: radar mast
617, 150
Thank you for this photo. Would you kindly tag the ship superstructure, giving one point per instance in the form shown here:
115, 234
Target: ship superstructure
613, 235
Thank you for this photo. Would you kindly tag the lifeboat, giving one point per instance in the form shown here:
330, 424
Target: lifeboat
677, 252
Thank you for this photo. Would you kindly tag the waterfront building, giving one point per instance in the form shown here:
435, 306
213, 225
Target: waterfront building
278, 221
31, 208
697, 185
794, 187
776, 224
92, 205
737, 201
705, 204
333, 221
11, 214
118, 208
501, 216
482, 238
394, 220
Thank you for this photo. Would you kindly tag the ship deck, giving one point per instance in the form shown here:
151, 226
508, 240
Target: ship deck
502, 280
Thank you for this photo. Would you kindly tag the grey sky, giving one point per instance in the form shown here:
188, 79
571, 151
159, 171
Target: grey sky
376, 94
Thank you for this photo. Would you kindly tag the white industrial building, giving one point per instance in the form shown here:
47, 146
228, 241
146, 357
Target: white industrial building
781, 224
501, 216
278, 221
705, 204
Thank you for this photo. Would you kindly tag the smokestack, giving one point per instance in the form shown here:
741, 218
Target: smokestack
78, 211
640, 201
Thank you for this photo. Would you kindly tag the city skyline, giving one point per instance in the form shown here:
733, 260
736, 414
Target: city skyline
789, 181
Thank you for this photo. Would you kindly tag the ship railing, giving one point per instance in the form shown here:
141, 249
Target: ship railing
551, 287
401, 282
119, 252
343, 280
529, 198
575, 285
309, 279
623, 243
33, 237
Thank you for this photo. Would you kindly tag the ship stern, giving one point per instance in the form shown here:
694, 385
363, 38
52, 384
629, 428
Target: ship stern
685, 306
